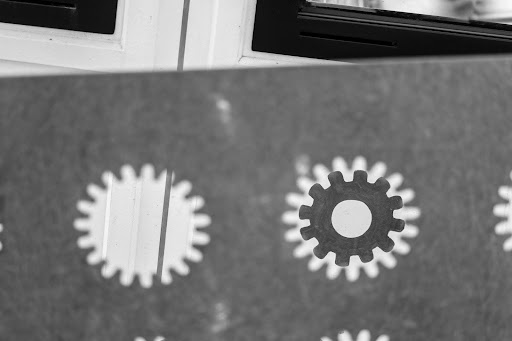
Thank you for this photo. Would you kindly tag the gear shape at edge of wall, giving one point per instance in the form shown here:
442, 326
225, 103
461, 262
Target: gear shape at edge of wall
92, 224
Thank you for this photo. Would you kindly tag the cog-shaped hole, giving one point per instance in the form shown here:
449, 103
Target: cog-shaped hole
142, 225
319, 174
351, 218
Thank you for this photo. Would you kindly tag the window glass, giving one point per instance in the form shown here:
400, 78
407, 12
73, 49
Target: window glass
499, 11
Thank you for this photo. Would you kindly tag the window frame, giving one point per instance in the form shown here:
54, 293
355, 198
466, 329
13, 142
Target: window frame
298, 28
93, 16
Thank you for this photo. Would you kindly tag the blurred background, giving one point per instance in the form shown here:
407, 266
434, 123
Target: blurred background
491, 10
45, 37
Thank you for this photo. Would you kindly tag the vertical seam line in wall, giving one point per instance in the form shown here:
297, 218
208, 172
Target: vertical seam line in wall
183, 36
106, 222
169, 180
134, 233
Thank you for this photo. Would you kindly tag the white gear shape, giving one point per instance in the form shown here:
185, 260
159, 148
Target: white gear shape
110, 233
305, 248
158, 338
364, 335
504, 210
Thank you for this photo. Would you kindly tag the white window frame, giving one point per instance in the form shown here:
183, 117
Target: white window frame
229, 24
147, 37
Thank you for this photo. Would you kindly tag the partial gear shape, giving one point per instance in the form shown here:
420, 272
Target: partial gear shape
159, 338
504, 211
319, 174
364, 335
321, 225
126, 233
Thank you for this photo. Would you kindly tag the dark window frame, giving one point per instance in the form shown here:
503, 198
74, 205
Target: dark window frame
298, 28
93, 16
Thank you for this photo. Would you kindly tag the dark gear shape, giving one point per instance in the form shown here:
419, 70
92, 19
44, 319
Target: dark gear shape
320, 216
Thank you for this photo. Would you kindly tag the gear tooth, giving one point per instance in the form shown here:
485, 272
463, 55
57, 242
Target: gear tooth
94, 191
200, 238
336, 178
360, 176
183, 187
108, 270
147, 171
386, 244
81, 224
317, 192
320, 252
342, 259
85, 242
94, 257
127, 172
398, 225
305, 212
181, 268
166, 277
382, 185
202, 220
107, 178
366, 256
194, 255
126, 278
85, 207
308, 232
396, 202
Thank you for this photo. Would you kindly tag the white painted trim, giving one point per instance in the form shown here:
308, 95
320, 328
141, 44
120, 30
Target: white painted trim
146, 37
230, 24
16, 69
200, 34
268, 60
167, 43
